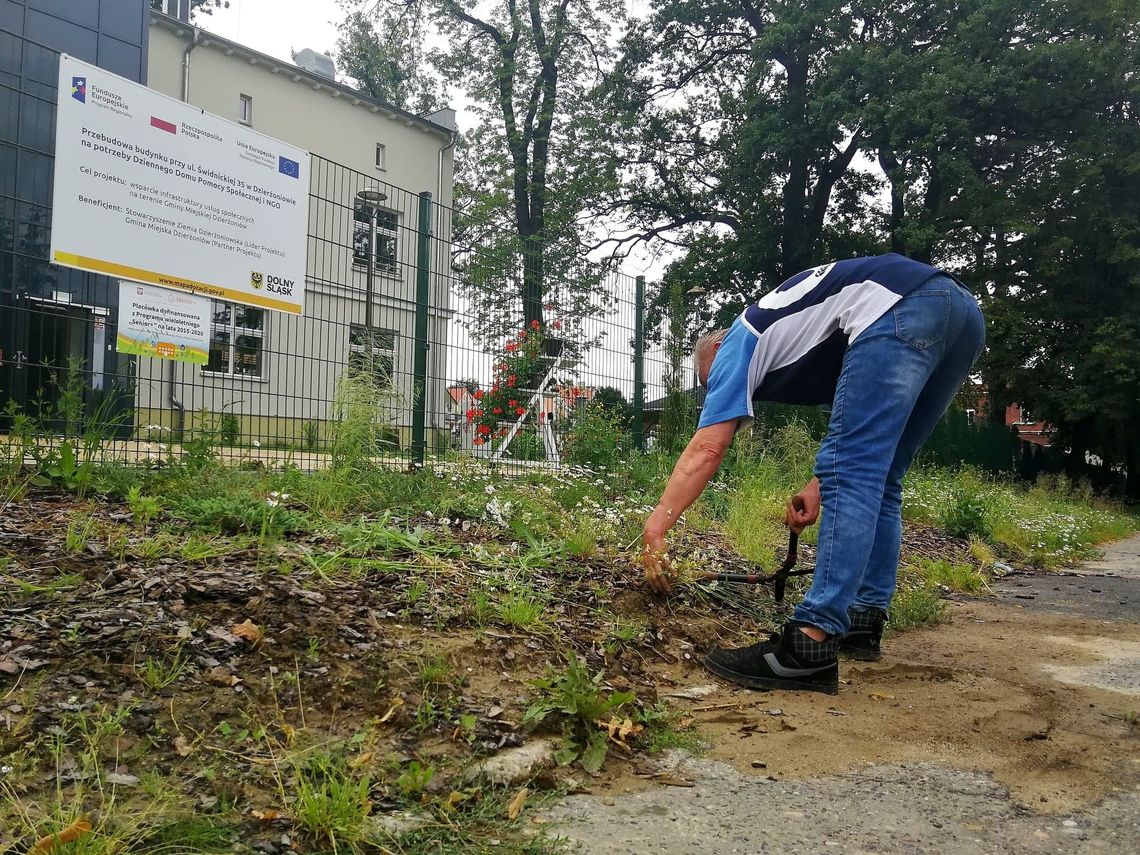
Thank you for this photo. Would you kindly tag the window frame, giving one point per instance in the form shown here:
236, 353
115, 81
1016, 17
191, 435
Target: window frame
233, 330
244, 101
380, 352
384, 266
381, 159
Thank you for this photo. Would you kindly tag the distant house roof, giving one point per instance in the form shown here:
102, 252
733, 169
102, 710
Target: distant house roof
697, 394
183, 30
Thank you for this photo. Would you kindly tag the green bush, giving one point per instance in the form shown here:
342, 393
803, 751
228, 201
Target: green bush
965, 516
597, 438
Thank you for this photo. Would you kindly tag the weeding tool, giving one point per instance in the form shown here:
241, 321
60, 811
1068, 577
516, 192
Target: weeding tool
779, 579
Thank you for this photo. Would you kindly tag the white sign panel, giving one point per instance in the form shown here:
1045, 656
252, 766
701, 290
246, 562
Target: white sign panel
152, 189
163, 323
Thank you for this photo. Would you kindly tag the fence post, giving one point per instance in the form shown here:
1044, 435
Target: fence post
639, 364
423, 279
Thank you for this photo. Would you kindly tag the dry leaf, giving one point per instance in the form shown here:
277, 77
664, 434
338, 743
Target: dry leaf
620, 731
182, 746
69, 835
396, 704
247, 630
289, 732
455, 798
359, 760
516, 805
265, 815
880, 696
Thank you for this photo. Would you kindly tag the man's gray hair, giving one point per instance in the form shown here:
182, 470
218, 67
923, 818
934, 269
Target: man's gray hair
705, 342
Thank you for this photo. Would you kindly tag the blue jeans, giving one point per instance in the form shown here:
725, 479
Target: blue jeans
898, 379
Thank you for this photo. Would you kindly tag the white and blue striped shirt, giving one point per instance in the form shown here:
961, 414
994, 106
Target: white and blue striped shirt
789, 346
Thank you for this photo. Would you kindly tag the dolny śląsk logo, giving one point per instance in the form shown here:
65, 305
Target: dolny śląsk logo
256, 280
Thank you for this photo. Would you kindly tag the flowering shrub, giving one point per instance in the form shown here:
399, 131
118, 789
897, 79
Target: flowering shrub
519, 367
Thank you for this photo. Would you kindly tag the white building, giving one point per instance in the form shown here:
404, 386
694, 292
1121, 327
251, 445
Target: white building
278, 374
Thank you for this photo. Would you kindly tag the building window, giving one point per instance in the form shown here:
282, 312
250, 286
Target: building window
372, 354
383, 252
237, 341
381, 156
1026, 419
245, 109
971, 417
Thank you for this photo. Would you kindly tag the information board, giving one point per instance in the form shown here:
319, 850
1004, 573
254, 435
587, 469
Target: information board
155, 190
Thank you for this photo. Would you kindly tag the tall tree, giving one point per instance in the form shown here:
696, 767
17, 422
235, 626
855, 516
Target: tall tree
527, 69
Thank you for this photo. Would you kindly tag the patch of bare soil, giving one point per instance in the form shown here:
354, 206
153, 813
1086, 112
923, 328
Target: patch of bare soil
396, 656
997, 690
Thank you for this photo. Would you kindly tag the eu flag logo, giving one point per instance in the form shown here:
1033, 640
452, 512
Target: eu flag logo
288, 167
79, 89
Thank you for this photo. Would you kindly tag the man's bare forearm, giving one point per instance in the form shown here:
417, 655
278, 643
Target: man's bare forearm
695, 468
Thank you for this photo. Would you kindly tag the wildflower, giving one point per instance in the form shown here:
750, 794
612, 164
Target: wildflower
489, 490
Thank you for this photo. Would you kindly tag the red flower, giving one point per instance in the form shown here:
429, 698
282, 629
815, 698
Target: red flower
534, 325
522, 334
512, 347
512, 403
477, 394
520, 411
478, 441
483, 429
502, 432
498, 411
557, 325
471, 415
512, 380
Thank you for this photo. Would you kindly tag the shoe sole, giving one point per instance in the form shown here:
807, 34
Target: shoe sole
861, 655
752, 682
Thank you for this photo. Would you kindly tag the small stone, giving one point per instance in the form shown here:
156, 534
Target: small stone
514, 766
121, 780
384, 826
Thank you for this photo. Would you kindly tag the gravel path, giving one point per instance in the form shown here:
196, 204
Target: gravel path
897, 807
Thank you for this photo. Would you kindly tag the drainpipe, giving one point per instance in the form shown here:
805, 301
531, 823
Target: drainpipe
452, 140
175, 401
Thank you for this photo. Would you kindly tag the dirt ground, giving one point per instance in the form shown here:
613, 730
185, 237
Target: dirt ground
1010, 729
1020, 712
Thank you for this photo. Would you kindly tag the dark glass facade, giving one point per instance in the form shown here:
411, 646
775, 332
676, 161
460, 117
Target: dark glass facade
51, 316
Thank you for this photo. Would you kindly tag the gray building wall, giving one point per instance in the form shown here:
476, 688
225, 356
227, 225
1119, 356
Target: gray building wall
48, 314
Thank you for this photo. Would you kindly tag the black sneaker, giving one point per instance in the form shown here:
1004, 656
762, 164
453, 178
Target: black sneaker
787, 660
864, 635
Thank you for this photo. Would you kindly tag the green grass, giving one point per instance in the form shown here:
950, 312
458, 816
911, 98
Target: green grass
916, 606
1050, 524
960, 578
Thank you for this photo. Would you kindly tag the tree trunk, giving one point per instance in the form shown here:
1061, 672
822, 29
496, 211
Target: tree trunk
890, 166
796, 250
534, 272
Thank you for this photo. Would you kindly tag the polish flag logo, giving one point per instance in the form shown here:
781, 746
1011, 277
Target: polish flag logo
163, 125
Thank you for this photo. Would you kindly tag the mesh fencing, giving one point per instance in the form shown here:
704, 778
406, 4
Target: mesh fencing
410, 314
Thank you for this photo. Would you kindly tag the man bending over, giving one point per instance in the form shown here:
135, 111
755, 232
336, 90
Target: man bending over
888, 341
